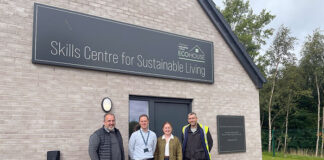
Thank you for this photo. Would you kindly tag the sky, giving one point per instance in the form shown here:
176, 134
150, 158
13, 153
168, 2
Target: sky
302, 17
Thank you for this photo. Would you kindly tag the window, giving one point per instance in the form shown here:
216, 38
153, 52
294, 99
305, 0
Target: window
136, 108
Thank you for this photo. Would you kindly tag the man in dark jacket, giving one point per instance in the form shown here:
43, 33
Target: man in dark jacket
196, 140
106, 143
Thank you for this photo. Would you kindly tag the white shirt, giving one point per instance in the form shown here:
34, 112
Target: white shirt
136, 145
166, 150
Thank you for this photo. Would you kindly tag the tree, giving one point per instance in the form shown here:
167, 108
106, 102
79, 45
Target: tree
313, 62
291, 88
248, 27
279, 53
322, 147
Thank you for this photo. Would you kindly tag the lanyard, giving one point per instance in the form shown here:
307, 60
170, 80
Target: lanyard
145, 142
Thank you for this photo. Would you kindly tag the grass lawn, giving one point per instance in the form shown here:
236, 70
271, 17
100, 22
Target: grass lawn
280, 156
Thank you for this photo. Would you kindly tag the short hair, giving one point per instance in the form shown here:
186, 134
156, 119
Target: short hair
166, 122
143, 115
109, 114
192, 113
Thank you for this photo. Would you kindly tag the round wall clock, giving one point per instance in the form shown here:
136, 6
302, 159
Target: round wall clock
106, 104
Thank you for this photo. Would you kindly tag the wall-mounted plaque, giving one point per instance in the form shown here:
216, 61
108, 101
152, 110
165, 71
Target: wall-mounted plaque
231, 134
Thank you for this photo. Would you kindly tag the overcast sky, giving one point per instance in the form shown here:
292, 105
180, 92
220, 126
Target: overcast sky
301, 16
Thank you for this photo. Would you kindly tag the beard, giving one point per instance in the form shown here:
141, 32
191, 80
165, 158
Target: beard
111, 128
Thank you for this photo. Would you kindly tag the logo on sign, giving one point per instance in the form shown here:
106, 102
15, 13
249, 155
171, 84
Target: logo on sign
191, 53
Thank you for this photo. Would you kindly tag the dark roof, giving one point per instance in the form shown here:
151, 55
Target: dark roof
231, 39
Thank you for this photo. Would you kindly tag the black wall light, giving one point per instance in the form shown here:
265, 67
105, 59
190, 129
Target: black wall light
106, 104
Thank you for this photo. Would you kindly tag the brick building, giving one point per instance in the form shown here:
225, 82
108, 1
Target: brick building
46, 107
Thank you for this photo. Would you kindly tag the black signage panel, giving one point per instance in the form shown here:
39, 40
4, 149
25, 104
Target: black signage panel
231, 134
66, 38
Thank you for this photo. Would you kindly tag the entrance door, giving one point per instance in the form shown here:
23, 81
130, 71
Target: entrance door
175, 113
160, 110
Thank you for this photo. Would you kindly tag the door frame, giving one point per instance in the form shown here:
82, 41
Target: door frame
152, 100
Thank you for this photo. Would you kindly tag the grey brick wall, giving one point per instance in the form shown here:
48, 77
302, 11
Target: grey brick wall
46, 108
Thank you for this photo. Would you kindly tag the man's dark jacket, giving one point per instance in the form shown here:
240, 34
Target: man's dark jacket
103, 149
194, 144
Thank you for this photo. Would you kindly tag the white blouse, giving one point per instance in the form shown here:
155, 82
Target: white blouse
167, 152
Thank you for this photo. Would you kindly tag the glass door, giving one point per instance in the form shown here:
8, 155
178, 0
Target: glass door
159, 110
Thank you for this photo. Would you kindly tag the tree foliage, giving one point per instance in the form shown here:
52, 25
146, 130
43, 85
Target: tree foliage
313, 62
296, 87
297, 98
249, 27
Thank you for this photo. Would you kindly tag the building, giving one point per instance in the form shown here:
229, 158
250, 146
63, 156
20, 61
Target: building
56, 105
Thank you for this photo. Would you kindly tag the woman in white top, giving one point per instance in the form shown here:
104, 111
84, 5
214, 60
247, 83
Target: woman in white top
168, 146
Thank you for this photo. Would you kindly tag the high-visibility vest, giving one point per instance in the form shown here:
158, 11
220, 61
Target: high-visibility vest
205, 129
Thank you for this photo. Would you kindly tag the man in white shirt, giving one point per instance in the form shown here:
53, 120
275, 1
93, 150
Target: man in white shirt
142, 143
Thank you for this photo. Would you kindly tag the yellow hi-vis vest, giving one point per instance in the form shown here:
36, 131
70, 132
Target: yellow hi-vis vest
205, 129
